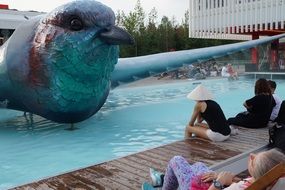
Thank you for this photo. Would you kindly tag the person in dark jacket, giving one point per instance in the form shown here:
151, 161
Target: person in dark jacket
259, 108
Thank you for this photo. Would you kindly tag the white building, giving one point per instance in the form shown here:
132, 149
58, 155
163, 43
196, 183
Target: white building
236, 19
10, 19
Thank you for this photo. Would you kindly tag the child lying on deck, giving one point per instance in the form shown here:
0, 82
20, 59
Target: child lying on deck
181, 174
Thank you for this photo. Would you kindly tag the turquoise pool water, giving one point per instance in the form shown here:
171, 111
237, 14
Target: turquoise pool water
132, 120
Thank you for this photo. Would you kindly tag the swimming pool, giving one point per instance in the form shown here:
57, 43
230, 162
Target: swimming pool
132, 120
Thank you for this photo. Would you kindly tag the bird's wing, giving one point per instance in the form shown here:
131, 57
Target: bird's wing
131, 69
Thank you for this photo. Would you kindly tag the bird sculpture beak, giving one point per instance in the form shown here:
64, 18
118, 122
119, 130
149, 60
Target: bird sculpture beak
116, 36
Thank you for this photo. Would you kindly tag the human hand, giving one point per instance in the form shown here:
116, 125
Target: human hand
209, 176
226, 178
197, 124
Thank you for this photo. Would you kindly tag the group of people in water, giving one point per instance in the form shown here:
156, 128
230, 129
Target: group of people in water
229, 72
199, 71
260, 111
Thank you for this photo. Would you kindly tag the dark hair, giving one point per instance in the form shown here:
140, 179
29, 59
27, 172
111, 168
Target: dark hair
272, 84
261, 86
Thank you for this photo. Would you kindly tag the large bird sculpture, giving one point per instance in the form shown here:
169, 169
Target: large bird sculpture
61, 65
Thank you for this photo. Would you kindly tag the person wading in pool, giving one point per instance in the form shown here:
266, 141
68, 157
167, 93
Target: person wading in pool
217, 127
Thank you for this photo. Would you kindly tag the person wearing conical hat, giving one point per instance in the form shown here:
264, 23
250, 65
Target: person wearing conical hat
216, 127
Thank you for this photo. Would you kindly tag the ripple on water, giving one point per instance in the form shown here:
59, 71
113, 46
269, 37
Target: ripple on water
131, 120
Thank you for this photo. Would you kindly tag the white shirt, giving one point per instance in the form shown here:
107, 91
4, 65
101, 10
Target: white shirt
280, 184
224, 72
239, 185
276, 108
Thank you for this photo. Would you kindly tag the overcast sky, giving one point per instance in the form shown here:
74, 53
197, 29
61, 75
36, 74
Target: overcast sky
168, 8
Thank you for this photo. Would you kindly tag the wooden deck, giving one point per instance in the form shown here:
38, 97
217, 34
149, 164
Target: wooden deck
131, 171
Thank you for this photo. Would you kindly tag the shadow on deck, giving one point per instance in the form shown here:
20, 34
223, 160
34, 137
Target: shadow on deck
131, 171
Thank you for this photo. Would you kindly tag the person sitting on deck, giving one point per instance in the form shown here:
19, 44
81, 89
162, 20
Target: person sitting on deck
216, 128
180, 173
278, 101
259, 108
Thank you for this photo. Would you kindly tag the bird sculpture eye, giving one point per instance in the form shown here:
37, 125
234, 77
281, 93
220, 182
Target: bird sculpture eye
76, 24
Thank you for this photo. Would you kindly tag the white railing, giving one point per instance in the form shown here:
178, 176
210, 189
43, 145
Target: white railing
11, 19
232, 19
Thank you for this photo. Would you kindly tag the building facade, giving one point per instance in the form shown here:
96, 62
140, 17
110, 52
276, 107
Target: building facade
10, 19
236, 19
242, 20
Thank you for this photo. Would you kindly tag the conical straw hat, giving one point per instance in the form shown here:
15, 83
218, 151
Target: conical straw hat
200, 93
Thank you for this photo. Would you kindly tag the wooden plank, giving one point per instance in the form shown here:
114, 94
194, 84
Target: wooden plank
134, 163
129, 172
156, 155
115, 177
151, 161
131, 168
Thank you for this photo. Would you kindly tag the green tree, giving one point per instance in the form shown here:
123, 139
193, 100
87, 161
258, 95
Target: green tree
163, 29
140, 16
152, 17
152, 36
134, 24
120, 17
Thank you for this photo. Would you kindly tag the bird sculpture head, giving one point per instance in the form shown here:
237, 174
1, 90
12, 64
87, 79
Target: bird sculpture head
67, 61
60, 65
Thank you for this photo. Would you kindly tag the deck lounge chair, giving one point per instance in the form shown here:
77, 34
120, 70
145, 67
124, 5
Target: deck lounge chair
275, 177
